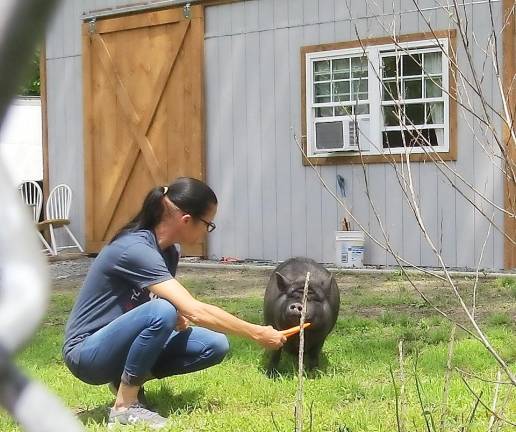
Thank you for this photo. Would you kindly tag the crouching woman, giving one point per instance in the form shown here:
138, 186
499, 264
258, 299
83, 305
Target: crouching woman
116, 335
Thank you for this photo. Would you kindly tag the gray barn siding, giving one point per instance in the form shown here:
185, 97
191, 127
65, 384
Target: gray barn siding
271, 206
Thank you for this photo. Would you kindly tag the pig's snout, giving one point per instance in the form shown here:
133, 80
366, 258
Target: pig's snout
295, 309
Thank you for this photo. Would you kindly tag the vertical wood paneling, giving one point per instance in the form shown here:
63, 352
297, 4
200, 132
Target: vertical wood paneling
266, 14
238, 17
465, 221
393, 214
227, 163
313, 192
375, 253
224, 19
327, 32
213, 128
310, 12
68, 28
295, 12
411, 229
428, 194
359, 201
329, 210
342, 10
240, 179
55, 35
326, 10
252, 22
254, 143
483, 167
283, 144
298, 172
268, 144
212, 22
280, 13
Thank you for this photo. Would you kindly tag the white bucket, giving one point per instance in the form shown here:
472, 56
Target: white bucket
349, 248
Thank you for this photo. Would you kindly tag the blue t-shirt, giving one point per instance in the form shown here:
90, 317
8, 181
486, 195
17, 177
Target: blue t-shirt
117, 282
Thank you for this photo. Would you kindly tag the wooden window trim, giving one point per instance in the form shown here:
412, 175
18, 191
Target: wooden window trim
451, 155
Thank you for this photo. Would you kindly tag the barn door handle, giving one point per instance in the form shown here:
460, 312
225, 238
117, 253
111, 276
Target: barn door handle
187, 11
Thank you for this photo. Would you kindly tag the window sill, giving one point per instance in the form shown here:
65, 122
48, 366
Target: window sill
386, 158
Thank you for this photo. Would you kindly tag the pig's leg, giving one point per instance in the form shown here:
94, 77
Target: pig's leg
272, 366
313, 356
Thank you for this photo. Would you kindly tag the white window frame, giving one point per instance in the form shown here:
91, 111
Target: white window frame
374, 54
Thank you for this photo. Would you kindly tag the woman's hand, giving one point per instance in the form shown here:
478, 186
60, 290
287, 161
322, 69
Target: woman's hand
181, 323
270, 338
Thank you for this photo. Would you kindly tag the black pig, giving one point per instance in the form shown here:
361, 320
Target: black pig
283, 305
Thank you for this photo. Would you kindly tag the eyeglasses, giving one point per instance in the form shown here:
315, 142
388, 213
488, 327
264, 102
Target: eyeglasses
210, 226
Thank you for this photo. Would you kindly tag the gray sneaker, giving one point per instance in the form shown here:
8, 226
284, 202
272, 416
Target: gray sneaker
136, 414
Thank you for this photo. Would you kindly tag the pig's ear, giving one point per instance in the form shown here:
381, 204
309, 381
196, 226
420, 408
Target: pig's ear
283, 281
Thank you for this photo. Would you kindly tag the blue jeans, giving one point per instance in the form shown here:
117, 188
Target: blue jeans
142, 344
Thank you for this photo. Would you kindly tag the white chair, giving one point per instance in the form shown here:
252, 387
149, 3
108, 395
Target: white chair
58, 216
32, 195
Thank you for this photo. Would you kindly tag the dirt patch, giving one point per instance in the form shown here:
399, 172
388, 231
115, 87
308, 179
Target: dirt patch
366, 295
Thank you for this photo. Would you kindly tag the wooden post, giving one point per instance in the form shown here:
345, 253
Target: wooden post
509, 76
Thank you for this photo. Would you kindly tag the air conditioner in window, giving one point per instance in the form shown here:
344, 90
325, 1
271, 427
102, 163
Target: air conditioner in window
348, 133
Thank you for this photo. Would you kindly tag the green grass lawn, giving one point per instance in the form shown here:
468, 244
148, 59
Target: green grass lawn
353, 391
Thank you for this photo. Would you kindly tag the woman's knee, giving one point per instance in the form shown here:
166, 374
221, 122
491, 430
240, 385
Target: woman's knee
219, 346
163, 313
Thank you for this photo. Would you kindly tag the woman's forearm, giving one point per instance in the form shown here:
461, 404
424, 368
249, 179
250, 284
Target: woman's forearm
214, 318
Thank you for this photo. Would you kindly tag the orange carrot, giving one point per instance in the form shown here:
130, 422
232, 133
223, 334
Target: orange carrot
293, 330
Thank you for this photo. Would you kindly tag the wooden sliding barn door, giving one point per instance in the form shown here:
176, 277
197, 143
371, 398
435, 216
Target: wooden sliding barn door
143, 80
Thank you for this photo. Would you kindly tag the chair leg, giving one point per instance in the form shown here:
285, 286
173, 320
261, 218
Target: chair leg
45, 243
73, 238
53, 238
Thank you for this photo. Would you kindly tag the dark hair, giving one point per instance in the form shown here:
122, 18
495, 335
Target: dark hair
190, 195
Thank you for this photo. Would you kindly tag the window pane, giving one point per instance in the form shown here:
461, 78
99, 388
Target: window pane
322, 66
359, 67
343, 110
341, 88
322, 70
433, 62
433, 87
412, 64
322, 99
324, 112
411, 138
328, 135
340, 69
360, 88
362, 109
391, 116
435, 113
415, 114
424, 137
436, 137
413, 89
392, 139
318, 78
322, 89
390, 90
389, 67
